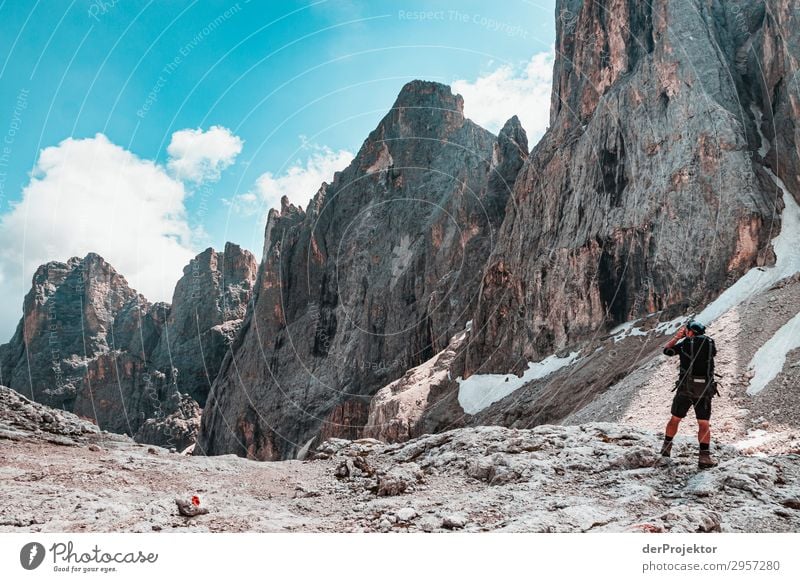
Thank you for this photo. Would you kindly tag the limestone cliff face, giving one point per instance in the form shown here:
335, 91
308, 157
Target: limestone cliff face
767, 40
645, 194
83, 342
208, 306
89, 344
371, 279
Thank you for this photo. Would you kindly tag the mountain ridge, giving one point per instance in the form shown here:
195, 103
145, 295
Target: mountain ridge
90, 344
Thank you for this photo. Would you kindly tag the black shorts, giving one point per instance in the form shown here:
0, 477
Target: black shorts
683, 402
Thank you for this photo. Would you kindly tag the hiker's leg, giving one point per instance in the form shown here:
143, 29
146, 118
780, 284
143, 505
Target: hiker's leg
672, 426
702, 410
703, 432
680, 406
704, 458
669, 432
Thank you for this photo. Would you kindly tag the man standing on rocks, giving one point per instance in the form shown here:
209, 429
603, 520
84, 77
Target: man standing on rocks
695, 387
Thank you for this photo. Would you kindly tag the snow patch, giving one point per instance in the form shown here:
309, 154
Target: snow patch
623, 327
627, 330
670, 327
770, 358
480, 390
765, 144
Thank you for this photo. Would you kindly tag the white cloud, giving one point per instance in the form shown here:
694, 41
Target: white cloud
523, 91
299, 183
92, 195
196, 155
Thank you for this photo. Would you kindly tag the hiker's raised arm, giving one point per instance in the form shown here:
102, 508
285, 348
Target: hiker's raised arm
668, 349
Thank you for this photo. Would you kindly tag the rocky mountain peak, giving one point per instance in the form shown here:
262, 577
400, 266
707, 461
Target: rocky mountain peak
429, 94
229, 266
512, 143
239, 263
54, 271
93, 258
208, 305
93, 262
287, 208
513, 130
62, 294
422, 110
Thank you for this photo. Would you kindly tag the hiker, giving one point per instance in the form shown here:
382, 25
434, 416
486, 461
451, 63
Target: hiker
695, 387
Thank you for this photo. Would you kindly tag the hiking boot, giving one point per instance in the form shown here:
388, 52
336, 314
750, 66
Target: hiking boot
666, 449
705, 461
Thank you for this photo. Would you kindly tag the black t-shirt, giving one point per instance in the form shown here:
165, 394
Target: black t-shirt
696, 355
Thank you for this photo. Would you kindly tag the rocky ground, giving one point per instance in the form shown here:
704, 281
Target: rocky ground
57, 473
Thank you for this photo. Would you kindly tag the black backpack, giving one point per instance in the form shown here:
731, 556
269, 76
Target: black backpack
697, 381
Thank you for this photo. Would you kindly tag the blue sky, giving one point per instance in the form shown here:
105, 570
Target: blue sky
292, 88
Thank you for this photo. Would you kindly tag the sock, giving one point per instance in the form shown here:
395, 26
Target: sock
667, 439
705, 446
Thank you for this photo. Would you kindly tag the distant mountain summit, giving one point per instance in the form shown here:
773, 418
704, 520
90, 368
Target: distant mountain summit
89, 344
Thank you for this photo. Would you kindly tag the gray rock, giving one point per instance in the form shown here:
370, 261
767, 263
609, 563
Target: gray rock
454, 521
22, 419
417, 402
429, 523
791, 502
570, 485
406, 514
704, 484
176, 430
399, 479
